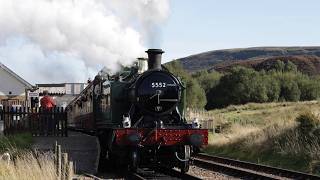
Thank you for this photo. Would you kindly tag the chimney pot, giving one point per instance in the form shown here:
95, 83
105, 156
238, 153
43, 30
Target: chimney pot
154, 59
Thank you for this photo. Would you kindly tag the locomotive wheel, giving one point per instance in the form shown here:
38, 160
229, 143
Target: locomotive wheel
185, 153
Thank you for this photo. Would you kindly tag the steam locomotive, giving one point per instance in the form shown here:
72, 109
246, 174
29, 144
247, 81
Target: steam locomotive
138, 116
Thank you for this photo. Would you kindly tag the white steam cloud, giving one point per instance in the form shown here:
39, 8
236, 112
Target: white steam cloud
70, 40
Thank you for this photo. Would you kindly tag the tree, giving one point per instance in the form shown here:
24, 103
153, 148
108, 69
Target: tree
196, 96
290, 91
240, 86
279, 66
310, 89
273, 88
207, 80
290, 67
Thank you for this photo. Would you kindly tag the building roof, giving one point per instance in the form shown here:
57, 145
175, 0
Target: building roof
16, 76
51, 85
56, 84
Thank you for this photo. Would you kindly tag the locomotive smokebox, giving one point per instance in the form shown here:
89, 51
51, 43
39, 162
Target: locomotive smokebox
154, 59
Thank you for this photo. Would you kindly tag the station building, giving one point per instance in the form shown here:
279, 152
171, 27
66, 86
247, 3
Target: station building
13, 88
17, 92
62, 93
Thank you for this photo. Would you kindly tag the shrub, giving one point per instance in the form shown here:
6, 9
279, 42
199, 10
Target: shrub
307, 122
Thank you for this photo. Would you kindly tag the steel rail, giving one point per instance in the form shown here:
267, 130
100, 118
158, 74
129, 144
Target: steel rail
248, 169
135, 176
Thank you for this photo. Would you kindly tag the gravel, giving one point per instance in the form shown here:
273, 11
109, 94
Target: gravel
206, 174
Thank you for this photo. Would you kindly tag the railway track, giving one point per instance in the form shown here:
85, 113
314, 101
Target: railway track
161, 174
247, 170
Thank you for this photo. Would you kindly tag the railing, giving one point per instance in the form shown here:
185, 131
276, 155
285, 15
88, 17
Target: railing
205, 118
38, 121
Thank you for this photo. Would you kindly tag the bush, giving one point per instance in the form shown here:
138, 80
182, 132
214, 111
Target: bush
307, 122
243, 85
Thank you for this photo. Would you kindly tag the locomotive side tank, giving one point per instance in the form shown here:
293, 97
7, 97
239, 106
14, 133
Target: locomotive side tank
138, 115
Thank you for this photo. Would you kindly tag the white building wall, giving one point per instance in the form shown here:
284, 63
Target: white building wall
9, 83
68, 89
60, 90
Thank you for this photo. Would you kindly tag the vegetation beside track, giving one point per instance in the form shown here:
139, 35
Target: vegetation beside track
285, 135
24, 163
21, 141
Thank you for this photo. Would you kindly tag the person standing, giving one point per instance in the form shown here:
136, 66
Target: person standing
47, 104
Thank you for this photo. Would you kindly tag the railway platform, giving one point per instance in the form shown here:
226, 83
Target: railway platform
82, 149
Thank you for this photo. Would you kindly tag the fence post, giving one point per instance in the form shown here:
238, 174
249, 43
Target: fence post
36, 122
58, 117
60, 122
23, 118
65, 124
54, 119
58, 161
70, 171
4, 120
64, 166
41, 120
29, 119
11, 120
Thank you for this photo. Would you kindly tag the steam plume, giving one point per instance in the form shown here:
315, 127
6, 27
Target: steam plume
68, 40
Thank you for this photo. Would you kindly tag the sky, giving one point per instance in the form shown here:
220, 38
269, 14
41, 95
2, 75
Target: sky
56, 41
198, 26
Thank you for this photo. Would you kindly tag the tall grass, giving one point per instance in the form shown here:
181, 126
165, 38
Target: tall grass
287, 135
25, 164
29, 166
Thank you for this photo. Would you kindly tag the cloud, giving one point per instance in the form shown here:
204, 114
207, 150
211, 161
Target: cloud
67, 40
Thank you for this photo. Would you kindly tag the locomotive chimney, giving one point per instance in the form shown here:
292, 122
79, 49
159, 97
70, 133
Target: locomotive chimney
154, 59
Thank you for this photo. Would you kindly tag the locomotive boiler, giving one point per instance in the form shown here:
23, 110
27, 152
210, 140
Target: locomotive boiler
138, 116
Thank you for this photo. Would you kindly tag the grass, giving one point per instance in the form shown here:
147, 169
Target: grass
25, 164
29, 166
269, 134
20, 141
264, 113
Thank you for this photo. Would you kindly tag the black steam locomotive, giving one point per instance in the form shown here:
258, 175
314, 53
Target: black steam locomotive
138, 116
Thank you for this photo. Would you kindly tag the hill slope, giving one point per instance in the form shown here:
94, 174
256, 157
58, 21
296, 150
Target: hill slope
307, 64
208, 60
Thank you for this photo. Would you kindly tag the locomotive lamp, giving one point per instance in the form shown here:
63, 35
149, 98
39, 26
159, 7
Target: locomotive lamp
126, 122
